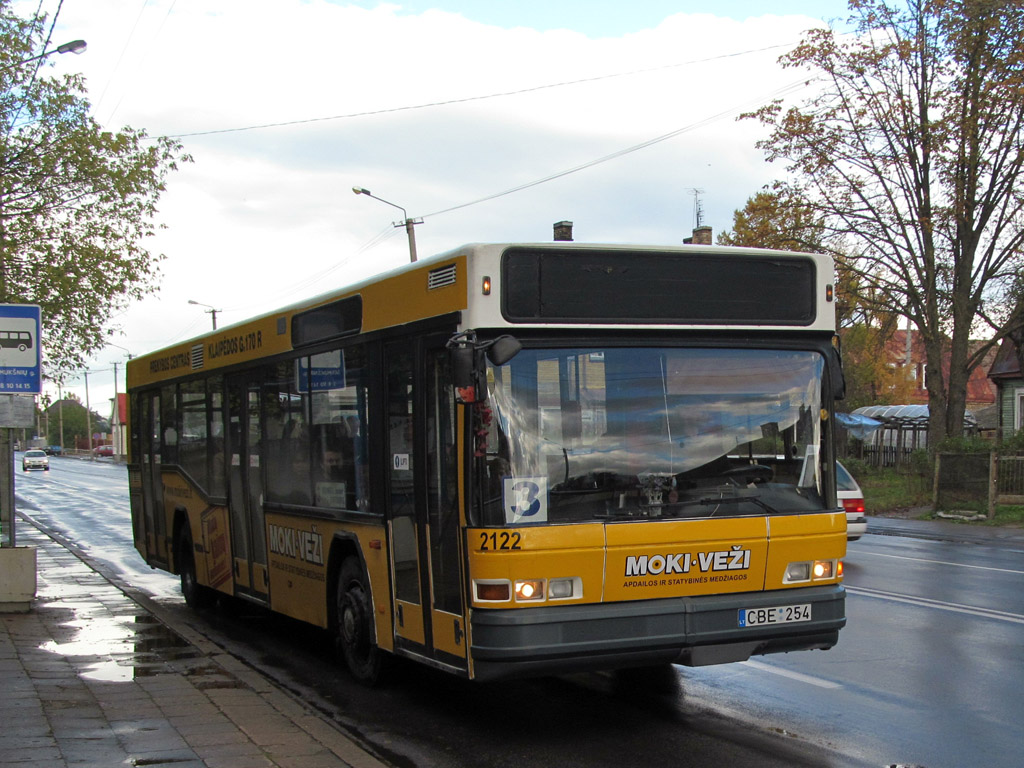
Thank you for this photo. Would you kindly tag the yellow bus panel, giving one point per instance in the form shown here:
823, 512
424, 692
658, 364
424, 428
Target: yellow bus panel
801, 538
395, 300
688, 557
562, 552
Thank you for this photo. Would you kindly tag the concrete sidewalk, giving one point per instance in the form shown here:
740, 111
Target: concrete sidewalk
91, 678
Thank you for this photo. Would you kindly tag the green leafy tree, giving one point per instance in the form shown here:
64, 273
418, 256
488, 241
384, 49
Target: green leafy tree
76, 202
913, 150
69, 414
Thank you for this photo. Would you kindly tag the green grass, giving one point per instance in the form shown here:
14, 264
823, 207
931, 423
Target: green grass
1007, 515
887, 491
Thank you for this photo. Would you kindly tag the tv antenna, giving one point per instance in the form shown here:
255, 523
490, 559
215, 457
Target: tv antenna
698, 209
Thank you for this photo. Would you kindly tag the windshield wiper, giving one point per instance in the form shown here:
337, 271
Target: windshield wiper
710, 501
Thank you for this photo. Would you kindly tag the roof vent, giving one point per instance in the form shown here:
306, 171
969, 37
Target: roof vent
440, 277
197, 356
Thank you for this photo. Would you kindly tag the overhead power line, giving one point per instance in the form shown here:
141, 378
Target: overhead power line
482, 97
797, 85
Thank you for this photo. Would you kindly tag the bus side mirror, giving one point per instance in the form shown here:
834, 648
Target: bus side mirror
469, 367
467, 374
503, 349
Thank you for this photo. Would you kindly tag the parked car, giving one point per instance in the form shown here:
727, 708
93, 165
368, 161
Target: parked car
852, 499
103, 450
35, 459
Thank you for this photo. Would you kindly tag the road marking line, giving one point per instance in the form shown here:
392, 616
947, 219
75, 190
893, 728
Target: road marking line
792, 675
988, 613
941, 562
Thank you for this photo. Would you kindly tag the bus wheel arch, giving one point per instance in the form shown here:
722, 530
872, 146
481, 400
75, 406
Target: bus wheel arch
351, 614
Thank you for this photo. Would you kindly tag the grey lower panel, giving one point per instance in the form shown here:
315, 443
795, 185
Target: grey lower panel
684, 630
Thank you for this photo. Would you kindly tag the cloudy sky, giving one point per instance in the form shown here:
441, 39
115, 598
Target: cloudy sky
439, 106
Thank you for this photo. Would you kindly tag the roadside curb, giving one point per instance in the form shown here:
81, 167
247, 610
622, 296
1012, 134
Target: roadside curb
943, 530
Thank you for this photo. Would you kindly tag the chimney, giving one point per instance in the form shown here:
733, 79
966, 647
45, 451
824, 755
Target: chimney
563, 231
701, 236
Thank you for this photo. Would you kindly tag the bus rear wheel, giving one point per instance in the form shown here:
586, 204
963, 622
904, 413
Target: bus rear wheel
354, 624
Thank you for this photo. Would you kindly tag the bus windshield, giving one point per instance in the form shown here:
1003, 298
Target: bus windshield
572, 435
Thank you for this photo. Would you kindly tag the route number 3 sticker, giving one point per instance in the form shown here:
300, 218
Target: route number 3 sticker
525, 499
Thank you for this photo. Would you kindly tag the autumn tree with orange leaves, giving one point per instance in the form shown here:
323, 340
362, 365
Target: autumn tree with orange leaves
773, 220
912, 151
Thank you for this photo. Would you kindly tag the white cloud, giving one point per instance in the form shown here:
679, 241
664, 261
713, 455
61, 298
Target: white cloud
262, 215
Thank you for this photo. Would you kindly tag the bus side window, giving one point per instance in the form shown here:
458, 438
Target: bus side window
287, 438
339, 405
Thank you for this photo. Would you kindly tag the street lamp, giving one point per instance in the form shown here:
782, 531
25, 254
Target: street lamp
75, 46
213, 312
406, 221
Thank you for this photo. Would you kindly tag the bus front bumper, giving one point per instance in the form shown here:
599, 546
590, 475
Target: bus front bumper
694, 631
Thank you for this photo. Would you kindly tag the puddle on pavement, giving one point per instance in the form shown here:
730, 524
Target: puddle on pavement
122, 648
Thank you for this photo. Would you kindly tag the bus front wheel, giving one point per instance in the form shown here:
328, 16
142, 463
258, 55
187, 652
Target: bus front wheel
354, 618
195, 594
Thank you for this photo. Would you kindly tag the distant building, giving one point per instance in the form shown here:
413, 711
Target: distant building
981, 391
1008, 379
119, 424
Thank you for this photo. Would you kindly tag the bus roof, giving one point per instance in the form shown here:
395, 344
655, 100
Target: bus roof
445, 283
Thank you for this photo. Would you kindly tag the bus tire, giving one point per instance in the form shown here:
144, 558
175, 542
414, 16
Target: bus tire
196, 595
354, 624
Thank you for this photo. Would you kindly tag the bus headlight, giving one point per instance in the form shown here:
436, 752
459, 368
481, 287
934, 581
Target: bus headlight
529, 589
565, 589
797, 572
822, 569
812, 570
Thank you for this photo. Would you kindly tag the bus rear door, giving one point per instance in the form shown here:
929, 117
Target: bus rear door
245, 490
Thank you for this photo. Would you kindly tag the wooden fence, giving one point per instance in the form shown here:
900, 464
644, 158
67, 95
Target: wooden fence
1010, 480
978, 481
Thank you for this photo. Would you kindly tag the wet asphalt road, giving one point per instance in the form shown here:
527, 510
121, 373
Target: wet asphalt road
928, 671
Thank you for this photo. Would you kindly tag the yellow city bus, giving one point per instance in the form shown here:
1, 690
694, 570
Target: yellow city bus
512, 460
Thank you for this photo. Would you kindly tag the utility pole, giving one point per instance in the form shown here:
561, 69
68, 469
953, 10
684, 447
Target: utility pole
88, 417
115, 428
211, 311
60, 416
407, 222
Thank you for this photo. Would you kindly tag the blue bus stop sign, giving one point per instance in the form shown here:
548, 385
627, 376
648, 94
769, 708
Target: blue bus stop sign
19, 349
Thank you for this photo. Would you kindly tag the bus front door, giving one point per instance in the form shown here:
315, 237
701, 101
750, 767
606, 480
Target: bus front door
423, 505
245, 491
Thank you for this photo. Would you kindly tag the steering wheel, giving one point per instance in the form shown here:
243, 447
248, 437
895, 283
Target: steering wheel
750, 473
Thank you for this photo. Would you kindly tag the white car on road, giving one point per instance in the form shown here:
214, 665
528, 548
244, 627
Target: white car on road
852, 499
35, 459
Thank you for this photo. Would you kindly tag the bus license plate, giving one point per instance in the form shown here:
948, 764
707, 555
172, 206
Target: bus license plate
783, 614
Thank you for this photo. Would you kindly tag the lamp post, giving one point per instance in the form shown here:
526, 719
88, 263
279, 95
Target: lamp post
213, 312
406, 221
75, 46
